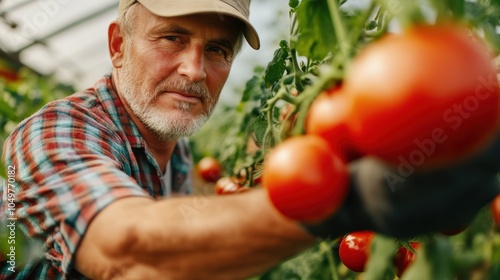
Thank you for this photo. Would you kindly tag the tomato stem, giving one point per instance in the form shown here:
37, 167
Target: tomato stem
325, 247
297, 71
338, 26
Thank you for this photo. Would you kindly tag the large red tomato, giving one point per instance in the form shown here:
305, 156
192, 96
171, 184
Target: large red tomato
355, 248
304, 179
423, 98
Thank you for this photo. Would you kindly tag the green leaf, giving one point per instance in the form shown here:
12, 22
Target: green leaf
433, 261
379, 264
311, 264
259, 126
252, 89
316, 35
276, 68
458, 8
293, 3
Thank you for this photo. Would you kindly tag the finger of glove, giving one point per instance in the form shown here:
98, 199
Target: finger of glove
419, 203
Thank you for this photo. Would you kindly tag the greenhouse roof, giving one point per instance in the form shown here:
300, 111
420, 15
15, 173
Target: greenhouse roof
68, 38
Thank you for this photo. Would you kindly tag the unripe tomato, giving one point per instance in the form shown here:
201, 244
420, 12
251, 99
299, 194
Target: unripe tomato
304, 179
355, 248
209, 169
495, 210
404, 258
427, 97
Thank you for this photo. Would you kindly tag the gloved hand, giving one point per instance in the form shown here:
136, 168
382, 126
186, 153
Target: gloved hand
404, 205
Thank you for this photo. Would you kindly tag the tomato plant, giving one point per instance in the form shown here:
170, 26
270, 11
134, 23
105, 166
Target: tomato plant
355, 249
393, 79
304, 179
209, 169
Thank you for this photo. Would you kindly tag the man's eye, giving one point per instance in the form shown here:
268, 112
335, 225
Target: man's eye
172, 38
217, 50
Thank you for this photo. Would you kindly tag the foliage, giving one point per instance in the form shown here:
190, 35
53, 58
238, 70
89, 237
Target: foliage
325, 36
21, 96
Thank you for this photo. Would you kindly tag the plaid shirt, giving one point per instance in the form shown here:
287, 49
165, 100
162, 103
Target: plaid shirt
73, 158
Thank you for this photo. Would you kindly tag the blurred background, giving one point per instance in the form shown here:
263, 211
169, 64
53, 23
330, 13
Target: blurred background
67, 39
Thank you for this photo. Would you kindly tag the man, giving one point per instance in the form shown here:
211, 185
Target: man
93, 168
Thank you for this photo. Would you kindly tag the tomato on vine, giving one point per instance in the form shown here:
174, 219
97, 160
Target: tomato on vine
305, 179
495, 211
418, 101
404, 258
227, 185
209, 169
355, 248
327, 117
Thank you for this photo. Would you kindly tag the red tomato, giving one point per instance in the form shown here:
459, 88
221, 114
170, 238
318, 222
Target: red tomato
404, 258
495, 210
355, 248
226, 185
209, 169
304, 179
424, 98
327, 117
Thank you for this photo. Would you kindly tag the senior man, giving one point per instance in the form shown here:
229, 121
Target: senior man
96, 169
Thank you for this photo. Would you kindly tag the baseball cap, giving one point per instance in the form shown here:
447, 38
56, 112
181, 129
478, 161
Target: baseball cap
170, 8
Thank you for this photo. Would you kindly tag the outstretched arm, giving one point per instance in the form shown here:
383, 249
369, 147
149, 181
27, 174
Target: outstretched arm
226, 237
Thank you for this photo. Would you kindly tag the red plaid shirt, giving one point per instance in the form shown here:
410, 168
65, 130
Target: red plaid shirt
72, 159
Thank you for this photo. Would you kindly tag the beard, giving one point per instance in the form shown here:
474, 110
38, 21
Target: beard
167, 125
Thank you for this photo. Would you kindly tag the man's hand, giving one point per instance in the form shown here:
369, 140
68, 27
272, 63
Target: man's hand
404, 204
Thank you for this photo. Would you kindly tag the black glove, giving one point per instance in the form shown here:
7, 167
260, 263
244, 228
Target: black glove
404, 205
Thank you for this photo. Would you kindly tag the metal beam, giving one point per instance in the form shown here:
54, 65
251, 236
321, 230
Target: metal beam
69, 26
16, 6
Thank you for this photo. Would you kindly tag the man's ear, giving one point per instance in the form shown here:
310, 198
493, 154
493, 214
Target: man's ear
115, 44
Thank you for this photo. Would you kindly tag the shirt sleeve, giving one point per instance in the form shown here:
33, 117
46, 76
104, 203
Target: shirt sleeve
69, 167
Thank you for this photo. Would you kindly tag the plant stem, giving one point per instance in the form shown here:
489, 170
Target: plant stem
297, 71
338, 26
325, 247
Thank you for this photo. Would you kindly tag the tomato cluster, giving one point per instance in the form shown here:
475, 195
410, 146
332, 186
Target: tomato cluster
412, 100
409, 99
229, 185
354, 251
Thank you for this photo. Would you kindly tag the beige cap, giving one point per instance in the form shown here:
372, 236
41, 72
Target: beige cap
171, 8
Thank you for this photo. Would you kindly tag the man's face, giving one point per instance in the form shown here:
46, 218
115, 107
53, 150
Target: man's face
173, 69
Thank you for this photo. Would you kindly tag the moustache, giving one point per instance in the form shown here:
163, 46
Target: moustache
197, 89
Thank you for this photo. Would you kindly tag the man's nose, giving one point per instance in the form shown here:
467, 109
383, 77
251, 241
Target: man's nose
192, 64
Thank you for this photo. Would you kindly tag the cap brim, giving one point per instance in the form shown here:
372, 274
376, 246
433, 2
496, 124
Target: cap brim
186, 7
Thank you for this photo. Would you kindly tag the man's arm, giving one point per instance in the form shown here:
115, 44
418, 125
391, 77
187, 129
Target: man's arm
219, 237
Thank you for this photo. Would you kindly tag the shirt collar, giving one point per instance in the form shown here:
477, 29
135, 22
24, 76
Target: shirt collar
113, 105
